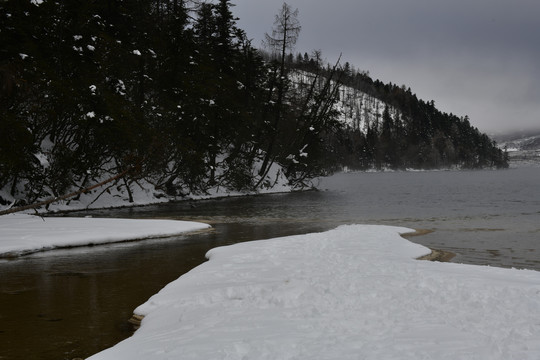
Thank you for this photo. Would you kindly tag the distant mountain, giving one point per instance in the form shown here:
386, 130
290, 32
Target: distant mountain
523, 147
520, 141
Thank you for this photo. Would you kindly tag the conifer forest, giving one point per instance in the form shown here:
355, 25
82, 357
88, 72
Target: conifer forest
175, 94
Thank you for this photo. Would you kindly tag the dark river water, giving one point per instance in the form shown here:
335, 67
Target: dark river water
72, 303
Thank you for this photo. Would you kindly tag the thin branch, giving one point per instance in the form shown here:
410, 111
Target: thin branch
64, 197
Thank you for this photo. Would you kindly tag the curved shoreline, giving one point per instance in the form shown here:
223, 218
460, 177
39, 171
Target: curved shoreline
25, 234
135, 321
436, 255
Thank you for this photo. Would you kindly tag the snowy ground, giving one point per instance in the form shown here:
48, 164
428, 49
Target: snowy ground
355, 292
144, 193
23, 234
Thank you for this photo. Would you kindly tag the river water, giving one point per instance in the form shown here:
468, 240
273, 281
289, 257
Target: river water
72, 303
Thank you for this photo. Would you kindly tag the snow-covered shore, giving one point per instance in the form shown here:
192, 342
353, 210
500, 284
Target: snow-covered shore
22, 233
355, 292
144, 193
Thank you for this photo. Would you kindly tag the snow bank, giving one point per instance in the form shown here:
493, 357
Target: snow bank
144, 193
22, 233
355, 292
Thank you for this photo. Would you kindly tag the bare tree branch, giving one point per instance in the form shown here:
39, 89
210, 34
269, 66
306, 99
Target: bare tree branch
64, 197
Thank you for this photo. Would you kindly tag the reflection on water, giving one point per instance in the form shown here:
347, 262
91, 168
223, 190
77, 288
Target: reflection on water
73, 303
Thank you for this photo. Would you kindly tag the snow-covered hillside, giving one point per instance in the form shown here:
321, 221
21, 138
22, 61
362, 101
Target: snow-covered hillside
358, 110
523, 149
522, 143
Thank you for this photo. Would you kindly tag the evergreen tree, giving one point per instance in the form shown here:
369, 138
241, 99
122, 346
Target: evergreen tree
174, 92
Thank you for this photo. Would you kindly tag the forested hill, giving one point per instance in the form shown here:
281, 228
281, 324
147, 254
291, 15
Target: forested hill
172, 95
389, 127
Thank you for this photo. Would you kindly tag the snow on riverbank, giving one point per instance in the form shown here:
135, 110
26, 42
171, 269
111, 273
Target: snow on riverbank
22, 233
144, 193
355, 292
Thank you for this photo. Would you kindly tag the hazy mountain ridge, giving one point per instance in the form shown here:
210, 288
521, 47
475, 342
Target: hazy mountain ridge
523, 142
523, 147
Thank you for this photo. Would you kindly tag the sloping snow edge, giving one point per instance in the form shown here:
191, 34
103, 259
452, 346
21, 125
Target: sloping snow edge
22, 234
355, 292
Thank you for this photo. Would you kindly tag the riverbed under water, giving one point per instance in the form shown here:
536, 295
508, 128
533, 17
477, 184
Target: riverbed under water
73, 303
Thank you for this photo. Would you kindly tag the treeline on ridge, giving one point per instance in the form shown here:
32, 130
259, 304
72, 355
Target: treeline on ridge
404, 131
175, 92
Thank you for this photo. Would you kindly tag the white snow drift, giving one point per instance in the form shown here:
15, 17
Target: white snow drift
22, 233
351, 293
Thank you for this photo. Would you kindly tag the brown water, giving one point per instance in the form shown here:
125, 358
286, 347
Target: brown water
73, 303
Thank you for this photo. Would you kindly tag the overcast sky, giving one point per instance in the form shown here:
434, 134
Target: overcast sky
479, 58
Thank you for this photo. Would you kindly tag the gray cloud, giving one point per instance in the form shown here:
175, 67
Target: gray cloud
473, 57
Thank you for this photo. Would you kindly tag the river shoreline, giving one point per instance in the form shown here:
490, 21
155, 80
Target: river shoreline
335, 294
435, 255
454, 204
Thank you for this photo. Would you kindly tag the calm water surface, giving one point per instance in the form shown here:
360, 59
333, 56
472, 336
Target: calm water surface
73, 303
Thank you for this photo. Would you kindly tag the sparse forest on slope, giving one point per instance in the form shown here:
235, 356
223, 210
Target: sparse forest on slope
389, 127
174, 92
